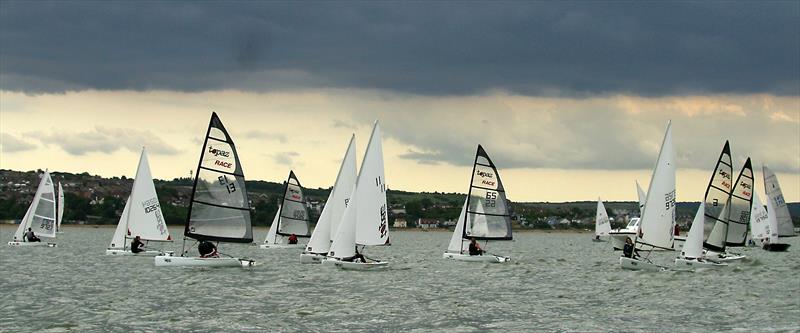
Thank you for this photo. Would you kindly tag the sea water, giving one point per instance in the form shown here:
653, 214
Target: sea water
555, 282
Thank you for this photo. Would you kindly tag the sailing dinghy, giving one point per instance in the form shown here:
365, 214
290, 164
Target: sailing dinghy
141, 216
602, 225
40, 217
59, 208
218, 209
658, 218
485, 214
291, 218
365, 221
328, 223
741, 204
691, 255
782, 218
718, 207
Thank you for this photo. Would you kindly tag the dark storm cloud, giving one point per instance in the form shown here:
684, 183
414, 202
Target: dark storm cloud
540, 48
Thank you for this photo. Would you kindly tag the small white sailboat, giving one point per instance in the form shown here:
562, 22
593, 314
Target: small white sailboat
218, 210
320, 242
485, 214
141, 216
691, 256
783, 219
60, 208
40, 217
602, 225
292, 218
366, 220
717, 209
773, 242
618, 236
658, 217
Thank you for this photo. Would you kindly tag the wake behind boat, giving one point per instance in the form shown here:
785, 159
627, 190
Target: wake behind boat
40, 217
291, 219
484, 216
218, 209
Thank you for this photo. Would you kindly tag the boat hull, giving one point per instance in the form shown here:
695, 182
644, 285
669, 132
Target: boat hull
776, 247
121, 252
355, 266
168, 260
638, 265
723, 257
311, 258
281, 246
485, 258
683, 264
678, 243
32, 244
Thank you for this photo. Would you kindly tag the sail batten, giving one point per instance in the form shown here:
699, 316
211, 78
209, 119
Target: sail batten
487, 215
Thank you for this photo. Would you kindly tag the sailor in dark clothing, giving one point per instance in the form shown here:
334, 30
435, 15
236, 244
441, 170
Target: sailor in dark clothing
207, 250
358, 257
137, 245
629, 251
474, 248
31, 237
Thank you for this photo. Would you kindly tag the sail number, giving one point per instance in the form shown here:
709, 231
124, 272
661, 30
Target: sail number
379, 183
491, 199
669, 200
223, 180
46, 224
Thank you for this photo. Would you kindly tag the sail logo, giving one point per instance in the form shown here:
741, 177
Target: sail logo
383, 228
294, 194
219, 152
485, 174
223, 164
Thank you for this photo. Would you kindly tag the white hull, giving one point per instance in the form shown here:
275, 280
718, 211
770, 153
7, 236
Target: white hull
311, 258
355, 266
638, 265
483, 258
121, 252
282, 246
31, 244
679, 241
723, 257
169, 260
683, 264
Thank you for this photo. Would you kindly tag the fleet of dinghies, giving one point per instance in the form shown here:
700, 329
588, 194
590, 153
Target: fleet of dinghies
355, 215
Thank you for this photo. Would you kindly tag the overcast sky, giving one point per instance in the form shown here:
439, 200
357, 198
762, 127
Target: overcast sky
559, 93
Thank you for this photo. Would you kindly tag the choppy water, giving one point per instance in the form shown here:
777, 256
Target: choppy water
557, 282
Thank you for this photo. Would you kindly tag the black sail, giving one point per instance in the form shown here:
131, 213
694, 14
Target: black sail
741, 203
488, 216
294, 212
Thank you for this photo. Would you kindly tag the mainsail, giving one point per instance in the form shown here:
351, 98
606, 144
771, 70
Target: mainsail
658, 216
219, 209
717, 202
602, 225
741, 200
145, 218
41, 214
487, 215
320, 241
60, 206
775, 195
759, 221
294, 219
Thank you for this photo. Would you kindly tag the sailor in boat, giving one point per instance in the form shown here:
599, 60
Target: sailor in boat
474, 248
292, 239
31, 237
358, 257
677, 230
629, 251
137, 245
207, 250
597, 237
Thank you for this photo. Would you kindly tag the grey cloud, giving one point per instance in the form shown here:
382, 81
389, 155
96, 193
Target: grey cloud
444, 48
285, 158
106, 140
11, 144
262, 135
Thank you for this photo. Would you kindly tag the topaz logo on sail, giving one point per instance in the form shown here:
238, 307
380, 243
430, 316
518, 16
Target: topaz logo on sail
218, 152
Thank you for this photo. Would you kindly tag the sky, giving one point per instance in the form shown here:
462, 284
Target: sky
570, 99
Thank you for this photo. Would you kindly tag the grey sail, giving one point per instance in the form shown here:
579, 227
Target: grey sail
488, 216
294, 212
717, 199
741, 202
219, 209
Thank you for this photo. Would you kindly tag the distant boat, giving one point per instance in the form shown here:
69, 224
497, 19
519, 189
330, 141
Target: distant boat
764, 226
602, 225
219, 210
718, 207
60, 208
775, 195
618, 235
366, 218
290, 219
320, 242
141, 216
658, 217
40, 217
484, 216
691, 255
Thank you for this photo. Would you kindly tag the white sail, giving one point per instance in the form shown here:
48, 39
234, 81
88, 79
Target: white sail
372, 216
344, 242
19, 235
658, 217
717, 202
772, 220
456, 241
759, 223
775, 195
328, 222
642, 197
479, 224
741, 200
693, 248
294, 216
118, 240
144, 217
602, 225
42, 217
60, 205
272, 234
